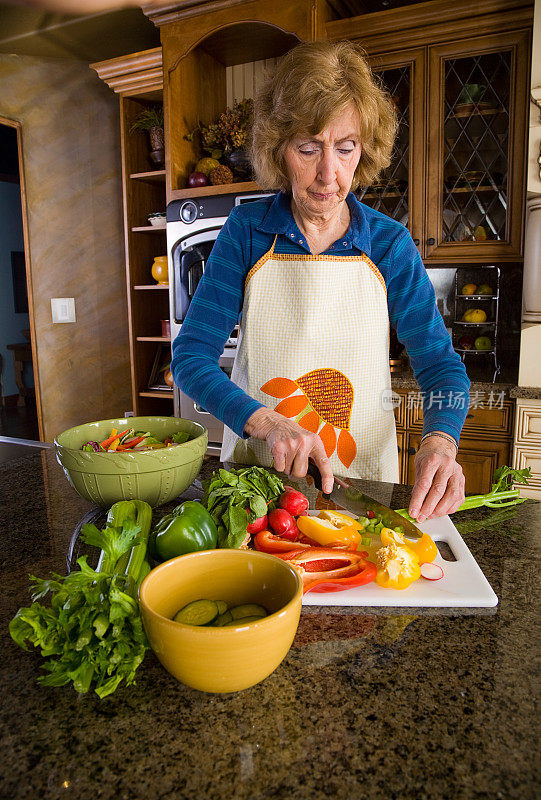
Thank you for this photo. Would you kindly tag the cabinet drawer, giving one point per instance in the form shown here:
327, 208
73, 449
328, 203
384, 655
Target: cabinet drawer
478, 420
528, 424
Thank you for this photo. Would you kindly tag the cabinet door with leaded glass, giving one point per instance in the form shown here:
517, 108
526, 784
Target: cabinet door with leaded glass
398, 191
477, 131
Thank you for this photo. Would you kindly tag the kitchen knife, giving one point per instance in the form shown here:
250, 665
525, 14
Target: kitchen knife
358, 503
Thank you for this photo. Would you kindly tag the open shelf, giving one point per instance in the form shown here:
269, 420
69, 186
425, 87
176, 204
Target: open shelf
224, 188
473, 350
474, 324
153, 338
166, 393
152, 286
477, 112
154, 176
474, 189
477, 296
149, 229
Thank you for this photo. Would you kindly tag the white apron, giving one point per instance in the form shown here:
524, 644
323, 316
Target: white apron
314, 346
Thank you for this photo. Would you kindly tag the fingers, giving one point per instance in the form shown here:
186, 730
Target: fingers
324, 465
453, 497
439, 487
292, 446
425, 474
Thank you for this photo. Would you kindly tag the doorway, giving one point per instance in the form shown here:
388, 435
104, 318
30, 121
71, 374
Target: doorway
19, 416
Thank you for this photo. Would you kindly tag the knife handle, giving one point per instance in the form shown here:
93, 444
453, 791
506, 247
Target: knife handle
313, 470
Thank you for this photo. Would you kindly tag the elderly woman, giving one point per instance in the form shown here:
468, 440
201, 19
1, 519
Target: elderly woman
317, 278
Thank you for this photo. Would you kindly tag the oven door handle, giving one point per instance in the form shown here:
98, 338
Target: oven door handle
182, 283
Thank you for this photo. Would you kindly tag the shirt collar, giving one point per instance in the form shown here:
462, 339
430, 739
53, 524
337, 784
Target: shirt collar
279, 219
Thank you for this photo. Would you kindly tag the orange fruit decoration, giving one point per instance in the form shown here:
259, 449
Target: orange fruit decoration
326, 396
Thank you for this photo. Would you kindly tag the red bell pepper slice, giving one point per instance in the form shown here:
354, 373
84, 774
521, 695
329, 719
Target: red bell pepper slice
131, 443
267, 542
326, 569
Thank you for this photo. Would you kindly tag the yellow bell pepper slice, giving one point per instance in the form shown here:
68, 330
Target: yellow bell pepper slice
398, 567
424, 548
338, 518
113, 446
325, 533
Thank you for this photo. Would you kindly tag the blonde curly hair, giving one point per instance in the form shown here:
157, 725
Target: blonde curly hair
309, 88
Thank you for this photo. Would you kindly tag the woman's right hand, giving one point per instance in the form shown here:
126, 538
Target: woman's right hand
291, 446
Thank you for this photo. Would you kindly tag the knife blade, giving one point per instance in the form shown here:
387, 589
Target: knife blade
358, 503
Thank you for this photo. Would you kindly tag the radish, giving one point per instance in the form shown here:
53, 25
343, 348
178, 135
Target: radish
432, 572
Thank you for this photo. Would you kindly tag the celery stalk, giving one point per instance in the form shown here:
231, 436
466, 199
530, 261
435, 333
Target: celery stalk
500, 495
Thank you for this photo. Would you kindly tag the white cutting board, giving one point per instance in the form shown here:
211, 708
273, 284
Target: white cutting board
463, 584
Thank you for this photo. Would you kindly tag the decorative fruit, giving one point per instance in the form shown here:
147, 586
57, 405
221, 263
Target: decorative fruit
483, 343
220, 175
466, 342
206, 165
484, 289
197, 179
480, 234
469, 288
168, 378
474, 315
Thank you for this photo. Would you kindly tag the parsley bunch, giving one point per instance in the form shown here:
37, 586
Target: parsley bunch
92, 632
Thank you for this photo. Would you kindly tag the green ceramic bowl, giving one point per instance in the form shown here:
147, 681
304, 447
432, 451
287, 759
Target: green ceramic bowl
156, 476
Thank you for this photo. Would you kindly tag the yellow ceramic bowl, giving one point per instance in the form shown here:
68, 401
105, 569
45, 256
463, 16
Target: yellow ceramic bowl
221, 659
155, 476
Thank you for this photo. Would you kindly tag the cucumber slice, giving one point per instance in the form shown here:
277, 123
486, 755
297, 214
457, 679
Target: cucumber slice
222, 606
248, 610
222, 620
198, 612
244, 621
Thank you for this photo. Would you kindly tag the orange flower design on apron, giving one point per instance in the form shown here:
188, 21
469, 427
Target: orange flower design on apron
321, 402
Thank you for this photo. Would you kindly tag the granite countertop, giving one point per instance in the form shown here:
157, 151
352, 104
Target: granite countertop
369, 704
405, 380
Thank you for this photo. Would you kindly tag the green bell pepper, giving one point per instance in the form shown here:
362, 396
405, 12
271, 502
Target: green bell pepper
187, 529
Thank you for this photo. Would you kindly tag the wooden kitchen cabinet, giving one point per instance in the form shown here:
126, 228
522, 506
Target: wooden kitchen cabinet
458, 75
199, 41
486, 442
138, 80
527, 451
479, 458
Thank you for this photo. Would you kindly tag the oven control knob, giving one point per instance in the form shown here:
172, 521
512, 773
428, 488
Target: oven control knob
188, 211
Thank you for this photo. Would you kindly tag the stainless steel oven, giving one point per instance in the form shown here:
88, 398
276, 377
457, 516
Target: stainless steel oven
192, 227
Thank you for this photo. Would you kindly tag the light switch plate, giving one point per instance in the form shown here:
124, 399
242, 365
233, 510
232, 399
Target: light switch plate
63, 309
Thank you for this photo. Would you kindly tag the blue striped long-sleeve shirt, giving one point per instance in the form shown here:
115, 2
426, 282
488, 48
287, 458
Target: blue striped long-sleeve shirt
247, 235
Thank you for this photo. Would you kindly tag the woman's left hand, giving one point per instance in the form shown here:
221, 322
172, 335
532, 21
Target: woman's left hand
439, 480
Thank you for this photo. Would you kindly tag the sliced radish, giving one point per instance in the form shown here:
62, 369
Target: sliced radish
432, 572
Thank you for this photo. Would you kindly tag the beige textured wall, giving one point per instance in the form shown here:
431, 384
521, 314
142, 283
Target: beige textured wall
72, 167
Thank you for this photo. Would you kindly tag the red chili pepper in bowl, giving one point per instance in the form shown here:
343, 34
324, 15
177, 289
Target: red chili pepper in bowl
325, 569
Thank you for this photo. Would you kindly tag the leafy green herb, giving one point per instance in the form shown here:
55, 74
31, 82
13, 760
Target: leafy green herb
237, 497
180, 437
92, 632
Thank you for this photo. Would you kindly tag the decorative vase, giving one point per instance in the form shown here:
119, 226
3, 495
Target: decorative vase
157, 146
239, 162
160, 271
